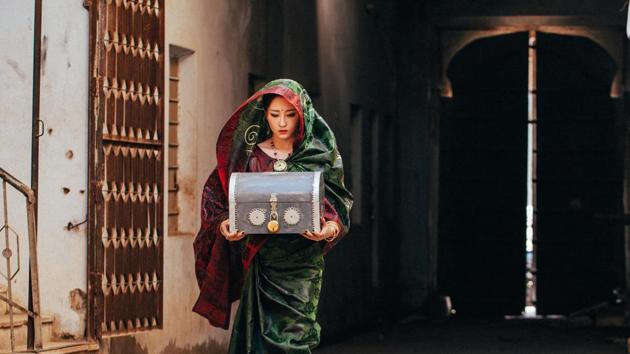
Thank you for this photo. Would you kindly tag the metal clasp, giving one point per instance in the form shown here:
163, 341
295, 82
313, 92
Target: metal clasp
273, 225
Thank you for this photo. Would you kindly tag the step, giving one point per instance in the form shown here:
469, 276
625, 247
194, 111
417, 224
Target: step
19, 324
4, 307
60, 348
49, 346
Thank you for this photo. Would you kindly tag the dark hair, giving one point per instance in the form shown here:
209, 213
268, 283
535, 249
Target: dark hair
266, 100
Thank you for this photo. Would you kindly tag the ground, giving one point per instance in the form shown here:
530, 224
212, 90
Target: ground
484, 336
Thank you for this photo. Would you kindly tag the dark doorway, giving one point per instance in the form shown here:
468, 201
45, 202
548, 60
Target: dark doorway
483, 170
580, 170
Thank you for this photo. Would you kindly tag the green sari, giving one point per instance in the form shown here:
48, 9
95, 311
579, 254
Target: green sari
282, 273
279, 300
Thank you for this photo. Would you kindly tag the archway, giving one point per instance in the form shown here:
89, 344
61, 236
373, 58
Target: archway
482, 192
576, 167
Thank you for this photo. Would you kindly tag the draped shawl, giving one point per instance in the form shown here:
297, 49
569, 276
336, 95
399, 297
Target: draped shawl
219, 264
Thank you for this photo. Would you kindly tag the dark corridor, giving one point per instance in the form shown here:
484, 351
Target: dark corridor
577, 176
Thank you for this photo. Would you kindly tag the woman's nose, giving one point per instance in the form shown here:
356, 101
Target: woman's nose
283, 122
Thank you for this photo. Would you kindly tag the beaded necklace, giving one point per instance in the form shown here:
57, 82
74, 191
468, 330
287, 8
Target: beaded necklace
280, 164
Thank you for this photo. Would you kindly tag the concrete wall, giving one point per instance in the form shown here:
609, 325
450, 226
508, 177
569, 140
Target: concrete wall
417, 248
356, 46
62, 199
216, 74
16, 84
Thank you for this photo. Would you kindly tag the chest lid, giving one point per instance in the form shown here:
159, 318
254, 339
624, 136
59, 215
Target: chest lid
295, 187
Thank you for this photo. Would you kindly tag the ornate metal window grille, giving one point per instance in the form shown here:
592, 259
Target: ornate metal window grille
125, 248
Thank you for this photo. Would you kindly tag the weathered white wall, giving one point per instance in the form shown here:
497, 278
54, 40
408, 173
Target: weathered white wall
188, 113
16, 85
63, 157
216, 81
63, 109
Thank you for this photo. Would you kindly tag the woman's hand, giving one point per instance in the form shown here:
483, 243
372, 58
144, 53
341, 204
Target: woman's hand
225, 231
329, 231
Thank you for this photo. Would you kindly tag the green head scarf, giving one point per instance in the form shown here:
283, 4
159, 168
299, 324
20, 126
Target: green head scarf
315, 148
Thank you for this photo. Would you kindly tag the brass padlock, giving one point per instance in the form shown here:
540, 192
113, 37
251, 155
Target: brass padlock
273, 226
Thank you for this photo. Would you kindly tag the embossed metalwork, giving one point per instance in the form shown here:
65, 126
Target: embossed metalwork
273, 226
292, 215
292, 201
257, 216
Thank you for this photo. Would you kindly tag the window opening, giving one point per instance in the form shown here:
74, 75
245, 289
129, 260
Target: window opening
530, 231
173, 167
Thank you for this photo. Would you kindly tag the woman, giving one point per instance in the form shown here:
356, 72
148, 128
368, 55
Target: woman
277, 278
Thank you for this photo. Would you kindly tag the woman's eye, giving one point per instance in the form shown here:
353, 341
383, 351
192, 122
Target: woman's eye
291, 115
275, 115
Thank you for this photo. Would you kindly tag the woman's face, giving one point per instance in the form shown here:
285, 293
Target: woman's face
282, 118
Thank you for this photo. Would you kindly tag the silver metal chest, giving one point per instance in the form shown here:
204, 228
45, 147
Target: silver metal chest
276, 202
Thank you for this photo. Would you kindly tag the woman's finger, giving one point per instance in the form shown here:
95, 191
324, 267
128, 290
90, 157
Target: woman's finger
234, 236
318, 236
224, 231
309, 235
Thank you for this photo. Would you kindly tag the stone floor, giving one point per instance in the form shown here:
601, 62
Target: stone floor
484, 336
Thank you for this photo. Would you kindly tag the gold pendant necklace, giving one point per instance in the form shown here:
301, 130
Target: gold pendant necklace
280, 165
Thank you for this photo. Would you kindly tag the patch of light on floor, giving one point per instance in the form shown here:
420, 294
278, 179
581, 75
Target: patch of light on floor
530, 311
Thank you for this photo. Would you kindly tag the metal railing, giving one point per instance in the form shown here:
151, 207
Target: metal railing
34, 339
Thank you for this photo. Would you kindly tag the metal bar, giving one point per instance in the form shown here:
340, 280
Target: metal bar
7, 254
94, 157
37, 55
21, 187
35, 322
33, 326
34, 336
20, 307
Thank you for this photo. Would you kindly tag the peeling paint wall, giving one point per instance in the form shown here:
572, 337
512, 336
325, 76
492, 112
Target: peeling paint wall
16, 85
63, 159
216, 32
